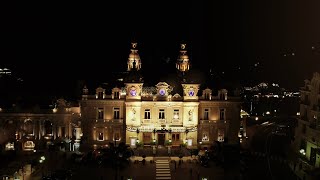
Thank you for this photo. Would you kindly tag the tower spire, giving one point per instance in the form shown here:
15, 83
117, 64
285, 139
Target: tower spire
183, 63
134, 60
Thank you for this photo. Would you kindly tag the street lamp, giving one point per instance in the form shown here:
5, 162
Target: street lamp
115, 142
187, 131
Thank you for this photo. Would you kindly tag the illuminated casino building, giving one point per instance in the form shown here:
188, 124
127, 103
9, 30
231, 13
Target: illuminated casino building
130, 112
161, 114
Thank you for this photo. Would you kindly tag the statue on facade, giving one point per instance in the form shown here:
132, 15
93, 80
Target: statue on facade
133, 114
190, 114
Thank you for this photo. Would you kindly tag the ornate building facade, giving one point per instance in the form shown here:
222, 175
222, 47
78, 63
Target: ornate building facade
135, 114
36, 129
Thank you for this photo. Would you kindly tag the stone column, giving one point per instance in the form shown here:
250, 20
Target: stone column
105, 133
94, 134
69, 130
53, 132
59, 131
34, 127
78, 131
42, 128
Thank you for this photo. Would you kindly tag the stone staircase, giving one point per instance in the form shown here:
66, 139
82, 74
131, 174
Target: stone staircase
162, 168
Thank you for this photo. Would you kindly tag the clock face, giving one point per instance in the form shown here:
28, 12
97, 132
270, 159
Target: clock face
191, 92
133, 92
162, 92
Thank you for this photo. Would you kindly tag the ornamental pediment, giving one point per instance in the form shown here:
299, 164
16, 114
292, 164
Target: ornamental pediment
162, 84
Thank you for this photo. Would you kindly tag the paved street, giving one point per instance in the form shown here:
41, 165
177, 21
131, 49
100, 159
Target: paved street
152, 171
269, 158
160, 168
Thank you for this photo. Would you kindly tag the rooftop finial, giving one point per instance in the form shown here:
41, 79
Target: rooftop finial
183, 46
134, 45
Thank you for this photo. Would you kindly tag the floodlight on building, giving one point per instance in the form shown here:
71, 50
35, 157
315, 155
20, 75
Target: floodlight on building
303, 152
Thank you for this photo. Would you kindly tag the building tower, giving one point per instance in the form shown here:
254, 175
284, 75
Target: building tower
134, 79
183, 63
134, 58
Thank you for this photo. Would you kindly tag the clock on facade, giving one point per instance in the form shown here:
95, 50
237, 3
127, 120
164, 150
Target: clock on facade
162, 92
191, 92
133, 92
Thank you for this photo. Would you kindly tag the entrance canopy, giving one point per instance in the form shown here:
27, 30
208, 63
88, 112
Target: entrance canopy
160, 129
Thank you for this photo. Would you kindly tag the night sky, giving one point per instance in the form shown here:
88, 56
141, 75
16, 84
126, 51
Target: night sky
273, 41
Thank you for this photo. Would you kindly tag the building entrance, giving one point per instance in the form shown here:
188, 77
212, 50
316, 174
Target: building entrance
161, 138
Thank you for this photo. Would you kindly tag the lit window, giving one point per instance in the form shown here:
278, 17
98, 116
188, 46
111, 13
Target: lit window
100, 137
175, 137
147, 137
176, 114
205, 137
100, 113
220, 135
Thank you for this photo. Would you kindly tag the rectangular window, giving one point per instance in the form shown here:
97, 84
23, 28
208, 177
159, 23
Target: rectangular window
116, 113
116, 95
147, 114
100, 137
146, 137
220, 135
175, 137
206, 114
161, 114
205, 137
222, 114
100, 113
176, 114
